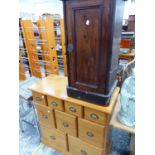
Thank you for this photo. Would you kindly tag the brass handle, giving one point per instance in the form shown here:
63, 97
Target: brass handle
72, 109
94, 116
90, 134
83, 152
44, 116
54, 104
65, 124
39, 98
52, 138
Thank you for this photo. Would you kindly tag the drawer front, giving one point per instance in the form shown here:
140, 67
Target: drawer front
78, 147
96, 116
39, 98
91, 132
73, 109
55, 103
45, 115
66, 122
54, 138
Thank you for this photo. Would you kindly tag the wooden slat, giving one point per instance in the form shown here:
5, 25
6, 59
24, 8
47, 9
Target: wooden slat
48, 34
63, 45
44, 46
31, 47
22, 76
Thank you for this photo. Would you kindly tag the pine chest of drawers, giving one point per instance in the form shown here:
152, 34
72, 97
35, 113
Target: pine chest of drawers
68, 125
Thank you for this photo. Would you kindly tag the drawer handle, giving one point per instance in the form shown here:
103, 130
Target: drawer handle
90, 134
72, 109
54, 104
44, 116
83, 152
94, 116
65, 124
52, 138
39, 98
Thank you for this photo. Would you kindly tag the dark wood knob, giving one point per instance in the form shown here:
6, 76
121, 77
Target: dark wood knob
52, 48
70, 47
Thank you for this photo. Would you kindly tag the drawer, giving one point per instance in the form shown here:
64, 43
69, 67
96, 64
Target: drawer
45, 115
39, 98
91, 132
54, 138
96, 116
55, 103
78, 147
73, 109
66, 122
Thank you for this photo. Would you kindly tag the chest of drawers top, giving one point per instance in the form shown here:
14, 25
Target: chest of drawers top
55, 86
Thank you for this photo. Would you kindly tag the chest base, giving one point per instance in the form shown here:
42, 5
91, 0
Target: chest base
95, 98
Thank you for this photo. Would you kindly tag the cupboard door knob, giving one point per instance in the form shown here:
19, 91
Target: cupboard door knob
54, 104
70, 47
52, 138
90, 134
39, 98
72, 109
65, 124
94, 116
83, 152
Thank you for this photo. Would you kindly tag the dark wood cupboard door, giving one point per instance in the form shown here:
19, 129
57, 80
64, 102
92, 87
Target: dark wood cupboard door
86, 23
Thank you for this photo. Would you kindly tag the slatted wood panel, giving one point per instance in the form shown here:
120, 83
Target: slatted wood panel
44, 46
22, 75
63, 45
46, 33
31, 47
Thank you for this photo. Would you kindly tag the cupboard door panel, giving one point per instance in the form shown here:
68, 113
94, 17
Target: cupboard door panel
85, 39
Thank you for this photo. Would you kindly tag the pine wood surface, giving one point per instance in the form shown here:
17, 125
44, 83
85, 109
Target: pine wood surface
55, 86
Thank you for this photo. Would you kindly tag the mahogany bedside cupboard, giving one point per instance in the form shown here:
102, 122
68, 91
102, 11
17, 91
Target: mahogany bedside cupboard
93, 32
